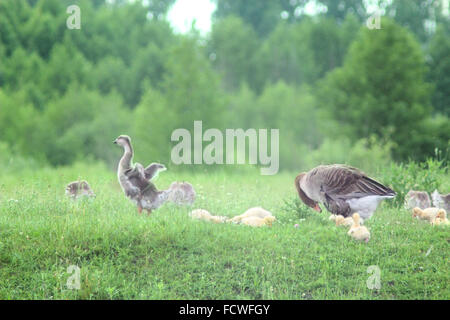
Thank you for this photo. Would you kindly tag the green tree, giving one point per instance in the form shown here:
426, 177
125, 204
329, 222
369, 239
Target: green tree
22, 68
338, 9
306, 51
439, 70
45, 27
65, 67
262, 15
288, 108
242, 102
81, 123
160, 7
154, 122
329, 41
414, 15
191, 87
109, 75
23, 71
284, 56
291, 109
149, 65
18, 121
380, 89
233, 47
428, 137
13, 16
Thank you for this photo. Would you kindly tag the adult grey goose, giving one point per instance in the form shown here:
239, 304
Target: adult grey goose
135, 180
342, 190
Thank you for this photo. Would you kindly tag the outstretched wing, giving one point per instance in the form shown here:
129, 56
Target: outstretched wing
135, 180
137, 171
153, 170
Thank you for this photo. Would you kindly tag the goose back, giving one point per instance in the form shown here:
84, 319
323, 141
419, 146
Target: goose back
345, 182
342, 189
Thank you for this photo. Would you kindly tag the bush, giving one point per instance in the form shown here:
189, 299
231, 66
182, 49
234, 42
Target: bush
80, 124
426, 176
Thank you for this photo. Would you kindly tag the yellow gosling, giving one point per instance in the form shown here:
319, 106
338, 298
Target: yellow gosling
218, 219
357, 231
428, 214
201, 214
252, 212
258, 222
441, 218
341, 221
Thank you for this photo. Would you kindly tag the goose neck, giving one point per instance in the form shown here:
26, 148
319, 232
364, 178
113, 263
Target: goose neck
125, 161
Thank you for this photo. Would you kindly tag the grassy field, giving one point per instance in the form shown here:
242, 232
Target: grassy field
122, 255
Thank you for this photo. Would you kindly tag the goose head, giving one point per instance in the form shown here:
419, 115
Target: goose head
123, 141
72, 189
306, 200
269, 220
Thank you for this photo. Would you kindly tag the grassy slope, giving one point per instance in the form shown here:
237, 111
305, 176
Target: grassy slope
169, 256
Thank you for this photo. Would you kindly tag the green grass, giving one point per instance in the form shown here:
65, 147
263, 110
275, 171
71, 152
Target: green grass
169, 256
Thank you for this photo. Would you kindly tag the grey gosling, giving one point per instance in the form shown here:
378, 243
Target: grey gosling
441, 200
79, 189
418, 199
135, 180
182, 193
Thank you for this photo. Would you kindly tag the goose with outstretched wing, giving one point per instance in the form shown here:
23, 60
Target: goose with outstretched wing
136, 180
342, 190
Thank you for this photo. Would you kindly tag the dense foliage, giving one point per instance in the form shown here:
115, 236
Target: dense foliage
326, 81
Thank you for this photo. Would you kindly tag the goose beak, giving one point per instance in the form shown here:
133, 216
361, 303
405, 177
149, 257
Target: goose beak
317, 208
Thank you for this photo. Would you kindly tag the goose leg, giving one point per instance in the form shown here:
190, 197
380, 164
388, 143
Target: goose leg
149, 211
140, 209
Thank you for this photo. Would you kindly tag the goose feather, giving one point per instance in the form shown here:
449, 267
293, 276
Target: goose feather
342, 189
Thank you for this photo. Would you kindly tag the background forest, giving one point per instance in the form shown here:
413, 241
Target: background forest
337, 90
